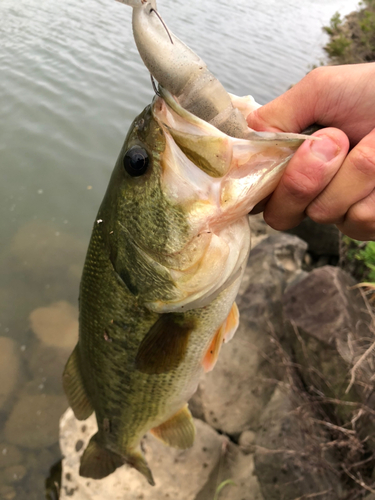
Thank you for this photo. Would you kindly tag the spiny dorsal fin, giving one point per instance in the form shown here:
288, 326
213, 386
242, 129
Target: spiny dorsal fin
74, 388
178, 431
164, 347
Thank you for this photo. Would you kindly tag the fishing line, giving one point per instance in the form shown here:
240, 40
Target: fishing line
163, 23
154, 85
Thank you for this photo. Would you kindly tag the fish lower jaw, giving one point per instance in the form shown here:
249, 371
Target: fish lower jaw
222, 264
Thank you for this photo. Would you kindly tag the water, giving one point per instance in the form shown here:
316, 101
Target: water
71, 82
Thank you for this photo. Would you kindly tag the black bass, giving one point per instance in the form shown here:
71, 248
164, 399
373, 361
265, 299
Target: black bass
167, 253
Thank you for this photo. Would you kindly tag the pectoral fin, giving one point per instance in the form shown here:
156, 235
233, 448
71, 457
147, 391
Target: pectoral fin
164, 347
74, 388
178, 431
223, 334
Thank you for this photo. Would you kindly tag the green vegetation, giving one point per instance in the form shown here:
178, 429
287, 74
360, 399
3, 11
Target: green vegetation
359, 258
223, 485
352, 39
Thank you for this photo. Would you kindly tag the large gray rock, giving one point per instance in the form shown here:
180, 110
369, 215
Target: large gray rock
179, 475
288, 458
234, 394
235, 469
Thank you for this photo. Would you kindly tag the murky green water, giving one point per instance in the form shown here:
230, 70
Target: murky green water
71, 82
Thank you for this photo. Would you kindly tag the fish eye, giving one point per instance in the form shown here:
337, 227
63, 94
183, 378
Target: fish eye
136, 161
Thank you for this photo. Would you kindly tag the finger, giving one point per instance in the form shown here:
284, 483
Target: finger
276, 116
359, 222
353, 182
309, 171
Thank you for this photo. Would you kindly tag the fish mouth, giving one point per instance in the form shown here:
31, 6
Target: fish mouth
215, 177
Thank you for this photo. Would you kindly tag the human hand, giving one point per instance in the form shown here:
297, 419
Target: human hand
323, 180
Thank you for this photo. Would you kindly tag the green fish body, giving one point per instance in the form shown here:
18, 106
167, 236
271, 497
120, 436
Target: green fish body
165, 260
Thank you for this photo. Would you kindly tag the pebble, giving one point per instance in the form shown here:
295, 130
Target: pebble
247, 441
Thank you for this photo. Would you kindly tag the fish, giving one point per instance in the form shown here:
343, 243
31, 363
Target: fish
168, 250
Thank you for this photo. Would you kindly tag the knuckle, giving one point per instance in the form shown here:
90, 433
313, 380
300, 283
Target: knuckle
299, 185
363, 160
320, 213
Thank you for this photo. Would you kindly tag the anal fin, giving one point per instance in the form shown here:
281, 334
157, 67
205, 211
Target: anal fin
178, 431
224, 334
74, 388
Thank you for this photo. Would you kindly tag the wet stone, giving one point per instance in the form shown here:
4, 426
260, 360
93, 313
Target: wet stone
9, 368
33, 422
13, 474
7, 492
9, 455
47, 363
56, 325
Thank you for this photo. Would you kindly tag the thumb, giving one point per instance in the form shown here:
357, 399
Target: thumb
293, 111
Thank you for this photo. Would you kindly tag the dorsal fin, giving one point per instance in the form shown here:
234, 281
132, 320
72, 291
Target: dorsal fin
74, 388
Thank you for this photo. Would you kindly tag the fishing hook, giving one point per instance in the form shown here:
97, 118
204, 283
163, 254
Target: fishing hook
154, 86
163, 23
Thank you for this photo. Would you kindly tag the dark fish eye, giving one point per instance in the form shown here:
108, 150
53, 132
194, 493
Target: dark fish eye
136, 161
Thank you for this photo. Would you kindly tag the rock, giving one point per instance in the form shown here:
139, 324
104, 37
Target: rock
323, 305
237, 469
56, 325
9, 368
178, 474
287, 461
247, 441
47, 363
335, 331
13, 474
9, 455
33, 422
322, 239
41, 249
7, 492
240, 385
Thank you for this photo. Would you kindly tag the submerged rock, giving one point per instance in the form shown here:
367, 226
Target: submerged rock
56, 325
9, 455
33, 422
9, 368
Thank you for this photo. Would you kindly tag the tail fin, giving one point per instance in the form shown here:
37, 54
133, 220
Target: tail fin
98, 462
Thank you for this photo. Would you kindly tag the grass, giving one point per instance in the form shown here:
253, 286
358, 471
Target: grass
352, 39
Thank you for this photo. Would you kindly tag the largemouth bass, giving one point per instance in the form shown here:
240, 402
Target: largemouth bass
166, 256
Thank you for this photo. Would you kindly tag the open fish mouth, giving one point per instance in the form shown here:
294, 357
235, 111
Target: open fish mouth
216, 177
